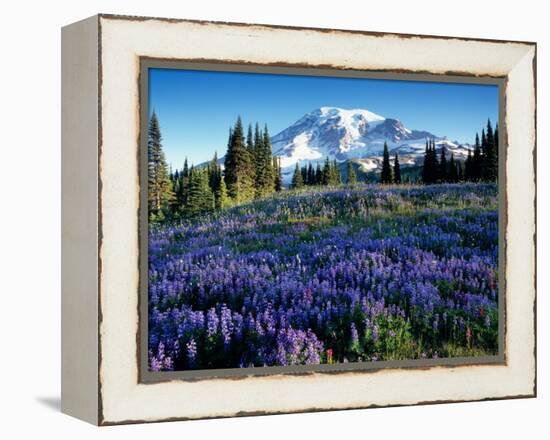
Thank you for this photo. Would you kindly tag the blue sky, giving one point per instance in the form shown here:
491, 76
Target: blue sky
196, 108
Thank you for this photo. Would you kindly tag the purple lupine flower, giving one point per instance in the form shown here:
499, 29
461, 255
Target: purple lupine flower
212, 322
191, 352
226, 325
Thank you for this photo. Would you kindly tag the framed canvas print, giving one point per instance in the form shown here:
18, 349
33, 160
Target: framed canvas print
262, 219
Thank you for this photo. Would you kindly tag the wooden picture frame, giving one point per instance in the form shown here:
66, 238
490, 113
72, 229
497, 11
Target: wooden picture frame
104, 377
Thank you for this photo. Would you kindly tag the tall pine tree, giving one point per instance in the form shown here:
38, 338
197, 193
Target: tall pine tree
352, 176
442, 175
326, 173
160, 194
430, 168
268, 162
257, 159
489, 156
278, 174
263, 161
214, 177
453, 170
310, 174
184, 183
201, 197
335, 177
468, 166
297, 179
221, 198
477, 159
251, 148
239, 169
425, 166
385, 175
396, 170
318, 174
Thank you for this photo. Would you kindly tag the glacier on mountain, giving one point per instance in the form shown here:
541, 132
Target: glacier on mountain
353, 134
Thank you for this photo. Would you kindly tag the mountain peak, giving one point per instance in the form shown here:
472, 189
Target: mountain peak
352, 134
339, 134
330, 112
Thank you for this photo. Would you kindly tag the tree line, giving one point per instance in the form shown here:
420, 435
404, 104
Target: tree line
328, 175
481, 164
387, 175
250, 171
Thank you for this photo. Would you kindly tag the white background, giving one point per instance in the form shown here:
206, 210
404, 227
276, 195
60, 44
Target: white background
30, 217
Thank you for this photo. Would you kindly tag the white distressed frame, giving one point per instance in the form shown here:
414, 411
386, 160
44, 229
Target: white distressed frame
122, 41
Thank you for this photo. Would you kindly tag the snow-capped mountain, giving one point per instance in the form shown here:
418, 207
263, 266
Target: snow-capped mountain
356, 134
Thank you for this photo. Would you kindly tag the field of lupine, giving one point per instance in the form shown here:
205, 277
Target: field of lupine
369, 273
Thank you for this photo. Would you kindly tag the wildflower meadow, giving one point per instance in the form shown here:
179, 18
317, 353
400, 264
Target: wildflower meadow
325, 275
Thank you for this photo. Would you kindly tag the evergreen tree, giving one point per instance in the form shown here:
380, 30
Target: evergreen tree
214, 177
477, 158
468, 172
459, 171
385, 176
435, 163
250, 140
175, 181
278, 174
489, 172
214, 172
185, 170
297, 179
257, 159
239, 169
490, 140
326, 177
318, 175
160, 192
250, 147
396, 170
257, 151
352, 176
258, 137
425, 166
303, 170
453, 171
310, 175
201, 198
442, 175
268, 162
265, 176
221, 198
430, 168
184, 184
335, 177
